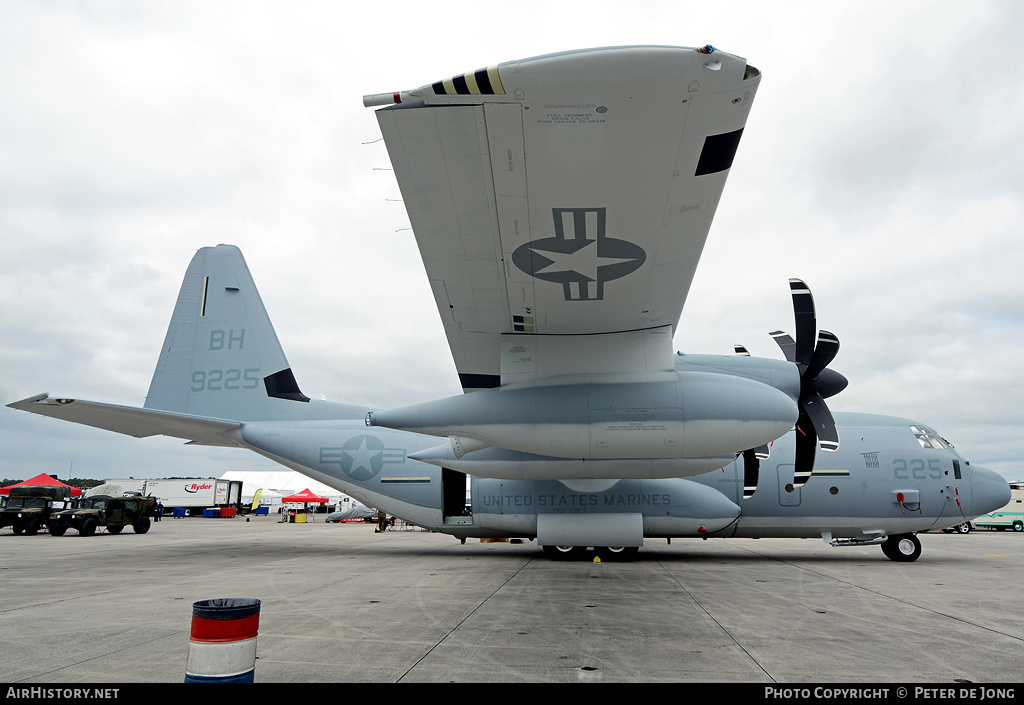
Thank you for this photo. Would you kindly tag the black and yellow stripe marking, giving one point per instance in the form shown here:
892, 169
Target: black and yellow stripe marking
523, 324
479, 82
206, 287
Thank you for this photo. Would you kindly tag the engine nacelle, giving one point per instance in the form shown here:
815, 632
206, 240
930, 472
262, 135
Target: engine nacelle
684, 415
505, 464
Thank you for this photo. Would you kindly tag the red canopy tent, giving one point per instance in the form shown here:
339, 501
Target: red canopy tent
42, 479
304, 497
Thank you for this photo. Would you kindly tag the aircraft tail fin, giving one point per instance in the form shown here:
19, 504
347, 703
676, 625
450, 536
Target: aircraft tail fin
221, 357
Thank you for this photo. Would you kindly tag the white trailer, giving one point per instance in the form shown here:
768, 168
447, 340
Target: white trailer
193, 494
128, 484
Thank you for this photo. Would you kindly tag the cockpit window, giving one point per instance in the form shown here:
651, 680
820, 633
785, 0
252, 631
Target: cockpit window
929, 438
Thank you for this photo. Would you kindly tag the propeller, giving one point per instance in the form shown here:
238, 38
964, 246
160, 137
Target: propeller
752, 467
811, 352
812, 355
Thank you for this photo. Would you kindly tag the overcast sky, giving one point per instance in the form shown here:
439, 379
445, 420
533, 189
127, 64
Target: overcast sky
882, 163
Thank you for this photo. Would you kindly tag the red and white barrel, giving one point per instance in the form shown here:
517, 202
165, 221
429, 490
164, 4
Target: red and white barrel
222, 645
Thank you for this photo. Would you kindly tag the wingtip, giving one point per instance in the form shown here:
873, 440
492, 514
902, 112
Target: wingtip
29, 400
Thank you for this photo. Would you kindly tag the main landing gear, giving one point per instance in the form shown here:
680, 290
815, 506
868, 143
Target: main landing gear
904, 548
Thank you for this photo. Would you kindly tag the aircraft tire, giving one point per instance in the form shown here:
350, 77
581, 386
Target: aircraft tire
565, 553
617, 553
903, 548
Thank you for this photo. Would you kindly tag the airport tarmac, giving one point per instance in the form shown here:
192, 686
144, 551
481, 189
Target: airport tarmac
341, 604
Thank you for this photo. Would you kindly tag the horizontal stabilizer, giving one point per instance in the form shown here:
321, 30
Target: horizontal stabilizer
132, 421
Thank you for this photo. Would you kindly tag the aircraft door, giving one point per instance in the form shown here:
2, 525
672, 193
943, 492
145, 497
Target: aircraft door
455, 499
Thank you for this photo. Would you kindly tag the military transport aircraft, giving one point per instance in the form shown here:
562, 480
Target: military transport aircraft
561, 204
222, 379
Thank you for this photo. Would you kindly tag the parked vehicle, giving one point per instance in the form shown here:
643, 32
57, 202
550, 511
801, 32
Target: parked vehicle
97, 511
356, 512
30, 507
1012, 515
191, 494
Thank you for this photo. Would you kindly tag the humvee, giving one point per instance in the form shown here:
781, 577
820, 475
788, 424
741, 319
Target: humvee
30, 507
114, 513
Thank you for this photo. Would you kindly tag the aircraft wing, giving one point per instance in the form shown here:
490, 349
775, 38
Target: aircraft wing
132, 421
566, 194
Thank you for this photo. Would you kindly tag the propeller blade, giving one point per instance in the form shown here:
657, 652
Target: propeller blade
787, 344
751, 469
824, 352
806, 324
822, 421
806, 446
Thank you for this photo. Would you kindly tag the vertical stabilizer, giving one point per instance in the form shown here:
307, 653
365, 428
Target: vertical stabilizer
221, 357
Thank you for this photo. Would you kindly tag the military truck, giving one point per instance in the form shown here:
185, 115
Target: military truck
30, 507
100, 510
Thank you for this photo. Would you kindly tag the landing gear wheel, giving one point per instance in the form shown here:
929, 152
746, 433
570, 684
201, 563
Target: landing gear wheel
565, 553
903, 548
617, 553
